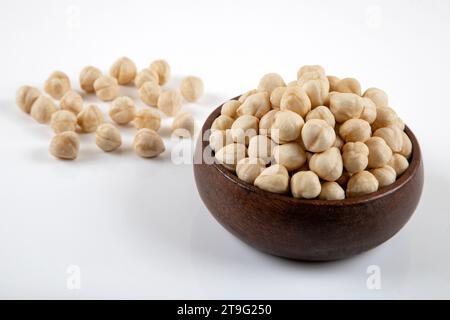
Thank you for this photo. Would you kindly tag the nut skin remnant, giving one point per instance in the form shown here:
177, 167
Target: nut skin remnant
183, 125
191, 88
162, 69
71, 101
124, 70
106, 88
305, 184
63, 120
90, 118
26, 96
57, 84
169, 102
122, 110
148, 144
42, 109
147, 118
87, 78
65, 145
361, 184
108, 137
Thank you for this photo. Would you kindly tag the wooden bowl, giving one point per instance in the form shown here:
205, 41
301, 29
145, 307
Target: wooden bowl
312, 230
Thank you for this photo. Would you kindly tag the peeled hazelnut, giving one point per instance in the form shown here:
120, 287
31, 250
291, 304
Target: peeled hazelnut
122, 110
317, 91
331, 191
162, 68
65, 145
107, 137
183, 125
393, 137
229, 108
273, 179
244, 128
312, 75
248, 169
385, 175
321, 112
361, 183
349, 85
147, 118
355, 156
385, 117
191, 88
345, 106
318, 135
295, 99
106, 88
333, 81
87, 78
90, 118
379, 152
327, 165
149, 93
310, 68
260, 147
290, 155
62, 121
265, 123
148, 144
378, 96
222, 122
256, 105
230, 155
286, 127
305, 184
406, 147
275, 97
72, 101
354, 130
243, 97
270, 81
399, 163
220, 138
369, 112
57, 84
124, 70
146, 75
338, 143
26, 96
42, 109
169, 102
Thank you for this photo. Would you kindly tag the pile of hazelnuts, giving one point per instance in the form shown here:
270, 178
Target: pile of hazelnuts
316, 137
72, 117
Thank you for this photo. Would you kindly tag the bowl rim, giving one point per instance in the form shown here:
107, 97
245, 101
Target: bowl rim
414, 164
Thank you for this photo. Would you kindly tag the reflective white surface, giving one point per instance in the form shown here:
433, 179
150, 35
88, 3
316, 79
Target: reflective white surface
136, 228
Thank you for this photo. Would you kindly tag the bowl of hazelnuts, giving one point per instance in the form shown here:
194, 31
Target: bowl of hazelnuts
312, 170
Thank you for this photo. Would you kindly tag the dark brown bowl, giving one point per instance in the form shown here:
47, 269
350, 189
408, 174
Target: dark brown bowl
313, 230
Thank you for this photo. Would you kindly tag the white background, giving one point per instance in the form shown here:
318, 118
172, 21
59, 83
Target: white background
137, 228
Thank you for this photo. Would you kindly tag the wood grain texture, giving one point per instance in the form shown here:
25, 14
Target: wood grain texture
311, 230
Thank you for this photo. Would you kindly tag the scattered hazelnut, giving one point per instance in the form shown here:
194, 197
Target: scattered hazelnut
331, 191
26, 96
169, 102
42, 109
183, 125
355, 156
146, 75
88, 75
290, 155
90, 118
147, 118
328, 164
354, 130
106, 88
63, 120
248, 169
273, 179
385, 175
269, 82
57, 84
191, 88
305, 184
379, 152
361, 184
71, 101
162, 69
148, 144
122, 110
107, 137
318, 135
65, 145
124, 70
149, 93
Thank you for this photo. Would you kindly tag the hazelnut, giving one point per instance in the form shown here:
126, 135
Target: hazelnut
124, 70
222, 122
87, 78
406, 147
148, 144
275, 97
107, 137
147, 118
378, 96
317, 91
385, 175
361, 183
369, 112
191, 88
355, 156
72, 101
331, 191
343, 179
57, 84
349, 85
244, 128
26, 96
354, 130
286, 126
385, 117
270, 81
379, 152
321, 112
290, 155
273, 179
106, 88
220, 138
146, 75
149, 93
90, 118
333, 81
393, 137
183, 125
399, 163
327, 165
65, 145
230, 155
122, 110
295, 99
310, 68
169, 102
63, 120
162, 69
345, 106
260, 147
243, 97
229, 108
305, 184
266, 121
318, 135
256, 105
248, 169
42, 109
338, 143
